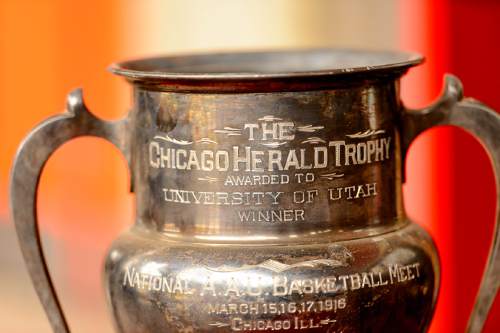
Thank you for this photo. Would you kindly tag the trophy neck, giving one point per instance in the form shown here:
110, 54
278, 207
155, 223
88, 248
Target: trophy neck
250, 166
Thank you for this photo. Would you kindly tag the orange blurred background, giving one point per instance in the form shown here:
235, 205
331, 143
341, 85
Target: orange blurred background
48, 48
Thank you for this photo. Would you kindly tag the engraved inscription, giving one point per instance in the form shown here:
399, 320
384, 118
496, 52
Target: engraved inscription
250, 160
278, 285
264, 157
255, 300
263, 308
297, 323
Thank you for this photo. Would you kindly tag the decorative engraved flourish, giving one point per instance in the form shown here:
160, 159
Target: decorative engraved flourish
183, 142
269, 118
331, 176
314, 140
208, 179
309, 128
219, 324
173, 140
273, 144
279, 267
229, 131
327, 321
206, 141
365, 134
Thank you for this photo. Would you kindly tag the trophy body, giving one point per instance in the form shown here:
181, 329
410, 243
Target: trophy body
271, 211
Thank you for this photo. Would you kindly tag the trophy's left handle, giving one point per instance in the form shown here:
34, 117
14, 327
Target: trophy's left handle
31, 157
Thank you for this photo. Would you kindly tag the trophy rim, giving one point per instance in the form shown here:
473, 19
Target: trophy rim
265, 64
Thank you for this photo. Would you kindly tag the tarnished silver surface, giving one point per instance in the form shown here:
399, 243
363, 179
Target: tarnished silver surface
268, 190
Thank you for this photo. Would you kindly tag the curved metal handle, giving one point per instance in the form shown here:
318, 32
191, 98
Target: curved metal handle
30, 160
483, 123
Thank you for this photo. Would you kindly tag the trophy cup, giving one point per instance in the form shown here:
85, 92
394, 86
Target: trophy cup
268, 195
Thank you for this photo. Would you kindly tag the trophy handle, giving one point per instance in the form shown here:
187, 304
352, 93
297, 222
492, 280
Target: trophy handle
31, 157
483, 123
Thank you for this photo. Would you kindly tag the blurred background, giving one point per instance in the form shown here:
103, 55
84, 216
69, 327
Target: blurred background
48, 48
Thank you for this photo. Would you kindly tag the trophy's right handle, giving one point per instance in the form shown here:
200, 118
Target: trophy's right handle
30, 160
483, 123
